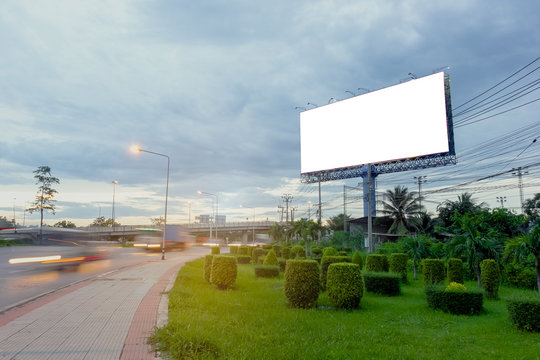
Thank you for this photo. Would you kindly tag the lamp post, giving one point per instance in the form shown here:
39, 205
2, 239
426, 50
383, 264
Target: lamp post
113, 194
189, 213
138, 149
309, 210
253, 227
216, 215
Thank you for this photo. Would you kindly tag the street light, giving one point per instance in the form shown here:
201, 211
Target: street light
189, 212
137, 149
216, 215
253, 228
113, 193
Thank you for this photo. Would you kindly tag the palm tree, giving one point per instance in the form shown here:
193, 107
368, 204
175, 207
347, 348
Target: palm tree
465, 204
277, 231
525, 245
474, 243
401, 206
417, 248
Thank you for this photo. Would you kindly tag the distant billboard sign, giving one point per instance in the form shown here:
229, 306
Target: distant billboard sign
407, 120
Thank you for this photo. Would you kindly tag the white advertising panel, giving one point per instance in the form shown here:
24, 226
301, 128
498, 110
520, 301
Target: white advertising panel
398, 122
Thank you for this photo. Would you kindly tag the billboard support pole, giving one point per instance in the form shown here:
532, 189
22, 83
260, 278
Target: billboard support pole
320, 214
370, 230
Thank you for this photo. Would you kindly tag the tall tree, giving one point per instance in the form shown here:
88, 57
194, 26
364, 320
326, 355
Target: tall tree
335, 223
531, 207
402, 207
525, 245
465, 204
103, 222
277, 232
45, 195
417, 248
65, 224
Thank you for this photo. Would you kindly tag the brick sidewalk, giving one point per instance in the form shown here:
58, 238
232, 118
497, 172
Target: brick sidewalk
105, 318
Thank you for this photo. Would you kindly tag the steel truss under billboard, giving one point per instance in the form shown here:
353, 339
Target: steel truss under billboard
412, 163
382, 168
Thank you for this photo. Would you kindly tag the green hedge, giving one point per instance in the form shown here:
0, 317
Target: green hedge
257, 253
515, 274
345, 285
271, 258
316, 251
286, 252
215, 250
233, 250
208, 267
377, 263
302, 283
297, 251
455, 270
266, 271
433, 270
224, 271
250, 250
383, 283
325, 263
243, 259
277, 250
329, 251
525, 313
282, 264
243, 250
454, 302
358, 259
489, 275
398, 265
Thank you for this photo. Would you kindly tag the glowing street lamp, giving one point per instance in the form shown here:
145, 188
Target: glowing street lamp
113, 193
216, 215
137, 149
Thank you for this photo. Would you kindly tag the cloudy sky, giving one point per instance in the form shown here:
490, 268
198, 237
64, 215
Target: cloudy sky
216, 85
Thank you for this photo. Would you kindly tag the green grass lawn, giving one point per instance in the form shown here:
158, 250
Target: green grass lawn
253, 321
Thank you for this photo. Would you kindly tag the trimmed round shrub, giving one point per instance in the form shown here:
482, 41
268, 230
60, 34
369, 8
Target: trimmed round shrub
297, 251
455, 270
286, 252
302, 283
271, 258
214, 250
316, 251
266, 271
357, 259
224, 271
277, 250
433, 270
267, 246
243, 250
454, 286
489, 275
325, 263
398, 265
525, 313
345, 285
208, 267
233, 250
257, 253
377, 263
383, 283
243, 259
329, 251
454, 302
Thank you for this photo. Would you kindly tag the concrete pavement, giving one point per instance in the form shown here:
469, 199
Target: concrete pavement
108, 317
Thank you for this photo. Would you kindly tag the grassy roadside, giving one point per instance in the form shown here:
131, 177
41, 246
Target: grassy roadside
253, 321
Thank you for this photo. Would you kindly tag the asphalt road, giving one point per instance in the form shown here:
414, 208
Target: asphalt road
23, 281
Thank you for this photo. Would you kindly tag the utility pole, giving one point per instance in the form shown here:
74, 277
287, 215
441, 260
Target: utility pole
502, 200
319, 220
292, 213
420, 180
370, 218
287, 198
281, 211
517, 172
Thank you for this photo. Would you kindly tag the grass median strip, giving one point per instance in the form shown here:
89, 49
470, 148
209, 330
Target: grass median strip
253, 321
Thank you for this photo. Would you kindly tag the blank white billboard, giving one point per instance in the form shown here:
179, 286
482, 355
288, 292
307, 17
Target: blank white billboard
398, 122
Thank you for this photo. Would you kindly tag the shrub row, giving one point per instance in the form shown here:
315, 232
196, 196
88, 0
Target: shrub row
525, 313
266, 271
454, 302
383, 283
243, 259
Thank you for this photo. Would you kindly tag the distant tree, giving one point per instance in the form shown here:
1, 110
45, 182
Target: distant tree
335, 223
465, 204
403, 208
531, 207
277, 232
475, 241
103, 222
45, 194
157, 221
65, 224
417, 248
525, 245
5, 223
